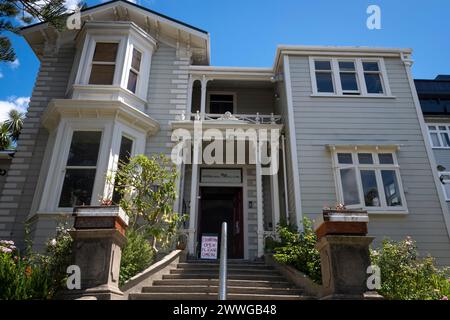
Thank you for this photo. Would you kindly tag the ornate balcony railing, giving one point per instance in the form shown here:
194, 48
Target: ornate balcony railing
228, 116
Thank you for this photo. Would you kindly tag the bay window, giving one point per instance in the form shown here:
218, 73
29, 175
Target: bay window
114, 65
349, 76
369, 180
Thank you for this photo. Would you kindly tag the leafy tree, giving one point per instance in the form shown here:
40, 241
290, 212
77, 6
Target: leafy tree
27, 11
14, 123
5, 139
147, 191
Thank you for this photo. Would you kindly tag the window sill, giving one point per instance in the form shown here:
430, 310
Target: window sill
388, 212
441, 148
318, 95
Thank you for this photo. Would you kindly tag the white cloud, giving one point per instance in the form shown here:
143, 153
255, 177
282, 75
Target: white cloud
20, 104
71, 4
15, 64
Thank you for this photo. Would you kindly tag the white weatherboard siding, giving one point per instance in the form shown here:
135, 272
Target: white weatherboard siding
22, 178
358, 121
168, 78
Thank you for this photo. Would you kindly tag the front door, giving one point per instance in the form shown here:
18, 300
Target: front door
223, 204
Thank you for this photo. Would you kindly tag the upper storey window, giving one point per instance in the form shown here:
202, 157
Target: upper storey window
134, 70
349, 77
103, 63
114, 65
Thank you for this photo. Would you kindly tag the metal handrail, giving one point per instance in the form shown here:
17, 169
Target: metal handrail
223, 263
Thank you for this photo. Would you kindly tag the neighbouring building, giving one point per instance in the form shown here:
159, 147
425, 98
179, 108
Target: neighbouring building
434, 96
344, 126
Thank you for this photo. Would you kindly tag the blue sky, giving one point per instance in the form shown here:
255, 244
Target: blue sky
246, 33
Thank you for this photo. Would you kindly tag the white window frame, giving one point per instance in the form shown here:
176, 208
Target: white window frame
127, 43
338, 92
377, 167
107, 160
84, 71
441, 173
438, 132
229, 93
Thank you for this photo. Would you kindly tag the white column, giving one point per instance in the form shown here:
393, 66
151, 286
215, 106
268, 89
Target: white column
275, 200
189, 97
194, 197
259, 201
203, 98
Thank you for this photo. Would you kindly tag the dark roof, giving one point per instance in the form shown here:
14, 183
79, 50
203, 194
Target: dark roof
132, 4
443, 77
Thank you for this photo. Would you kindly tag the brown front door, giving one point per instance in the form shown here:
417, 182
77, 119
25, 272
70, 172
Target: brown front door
223, 204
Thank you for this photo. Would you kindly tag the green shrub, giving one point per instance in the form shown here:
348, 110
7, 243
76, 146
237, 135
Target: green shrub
405, 276
137, 255
32, 275
298, 249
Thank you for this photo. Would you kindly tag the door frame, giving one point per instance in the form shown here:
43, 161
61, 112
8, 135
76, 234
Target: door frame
243, 185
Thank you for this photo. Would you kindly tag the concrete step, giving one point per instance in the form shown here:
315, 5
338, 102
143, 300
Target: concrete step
229, 262
214, 266
212, 282
229, 271
231, 276
211, 296
215, 289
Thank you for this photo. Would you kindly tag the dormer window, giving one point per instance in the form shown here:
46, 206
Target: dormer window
134, 70
103, 63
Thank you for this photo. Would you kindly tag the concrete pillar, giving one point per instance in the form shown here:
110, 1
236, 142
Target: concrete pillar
99, 237
344, 261
259, 201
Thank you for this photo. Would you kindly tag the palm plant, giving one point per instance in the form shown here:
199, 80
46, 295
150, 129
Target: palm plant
14, 123
5, 139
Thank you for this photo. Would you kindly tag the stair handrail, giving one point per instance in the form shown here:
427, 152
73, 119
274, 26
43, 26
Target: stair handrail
223, 263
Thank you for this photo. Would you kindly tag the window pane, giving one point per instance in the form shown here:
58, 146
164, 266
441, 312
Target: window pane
105, 52
386, 158
435, 140
346, 66
348, 82
370, 66
77, 188
391, 189
132, 81
84, 148
102, 74
442, 128
431, 127
136, 61
324, 82
349, 186
365, 158
345, 158
370, 188
445, 139
373, 83
220, 107
221, 97
126, 146
322, 65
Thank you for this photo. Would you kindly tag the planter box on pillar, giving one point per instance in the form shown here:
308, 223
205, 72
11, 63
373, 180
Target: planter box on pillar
344, 254
99, 236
